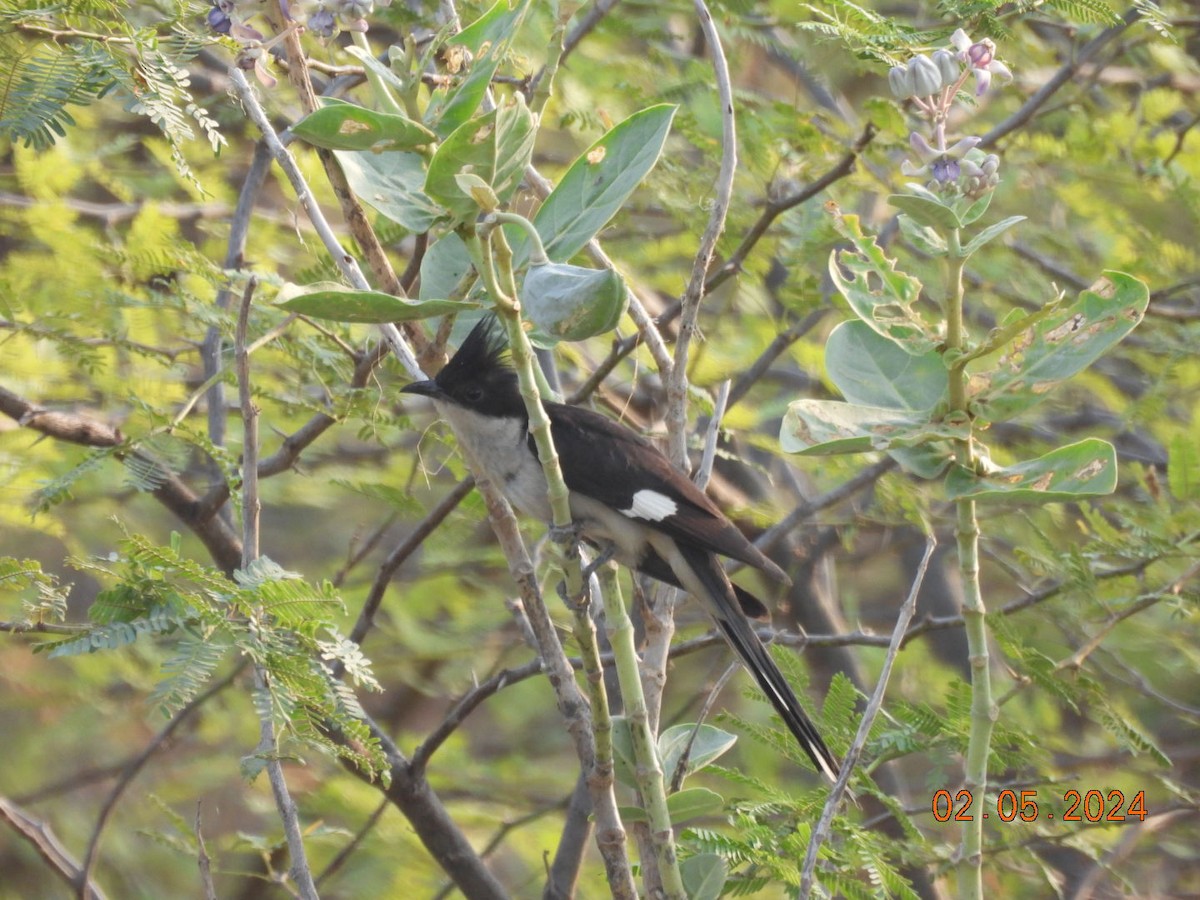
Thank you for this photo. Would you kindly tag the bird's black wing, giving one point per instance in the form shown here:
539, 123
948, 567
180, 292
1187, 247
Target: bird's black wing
610, 463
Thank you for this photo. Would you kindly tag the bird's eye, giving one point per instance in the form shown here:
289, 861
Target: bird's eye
473, 394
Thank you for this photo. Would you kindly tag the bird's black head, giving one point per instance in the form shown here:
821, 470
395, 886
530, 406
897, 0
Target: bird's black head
478, 377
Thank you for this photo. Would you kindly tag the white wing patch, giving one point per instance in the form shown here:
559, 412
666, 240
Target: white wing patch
650, 505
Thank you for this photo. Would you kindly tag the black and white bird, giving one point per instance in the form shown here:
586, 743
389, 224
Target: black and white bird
626, 498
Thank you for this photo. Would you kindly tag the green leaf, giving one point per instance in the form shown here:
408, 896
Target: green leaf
495, 147
598, 184
1085, 469
926, 211
571, 303
339, 125
443, 267
709, 744
1056, 347
704, 876
871, 370
991, 233
823, 427
488, 39
392, 184
694, 803
924, 238
877, 292
330, 300
970, 211
681, 806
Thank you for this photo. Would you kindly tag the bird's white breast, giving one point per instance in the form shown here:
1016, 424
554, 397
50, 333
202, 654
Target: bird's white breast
498, 448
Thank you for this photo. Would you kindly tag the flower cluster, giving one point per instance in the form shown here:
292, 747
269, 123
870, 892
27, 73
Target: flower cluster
322, 17
931, 83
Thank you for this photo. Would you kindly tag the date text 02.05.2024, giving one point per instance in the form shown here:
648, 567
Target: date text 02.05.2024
1089, 806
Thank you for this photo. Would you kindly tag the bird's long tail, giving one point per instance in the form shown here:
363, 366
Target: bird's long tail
723, 605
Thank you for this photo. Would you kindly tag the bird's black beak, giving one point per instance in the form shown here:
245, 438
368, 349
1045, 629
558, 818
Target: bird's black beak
427, 388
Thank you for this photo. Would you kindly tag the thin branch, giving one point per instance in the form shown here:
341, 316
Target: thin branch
677, 382
47, 845
774, 208
41, 628
130, 771
395, 559
1060, 78
343, 855
821, 832
268, 744
345, 262
709, 456
203, 862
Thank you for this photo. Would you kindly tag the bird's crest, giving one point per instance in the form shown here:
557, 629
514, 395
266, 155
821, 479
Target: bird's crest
485, 349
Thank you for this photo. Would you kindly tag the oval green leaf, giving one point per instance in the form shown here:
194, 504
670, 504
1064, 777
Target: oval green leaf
598, 184
392, 184
704, 876
710, 743
872, 370
339, 125
332, 301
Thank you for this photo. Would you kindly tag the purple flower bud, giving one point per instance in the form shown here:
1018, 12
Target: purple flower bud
926, 79
219, 21
322, 23
981, 54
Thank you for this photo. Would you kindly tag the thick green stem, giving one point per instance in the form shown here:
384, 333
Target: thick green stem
983, 708
647, 770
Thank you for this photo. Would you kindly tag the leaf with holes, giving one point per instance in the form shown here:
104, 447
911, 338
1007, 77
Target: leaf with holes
339, 125
1085, 469
878, 293
1056, 347
824, 427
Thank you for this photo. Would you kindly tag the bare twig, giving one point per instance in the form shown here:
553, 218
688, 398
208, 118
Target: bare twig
1030, 107
777, 206
343, 855
267, 749
821, 831
203, 862
43, 839
131, 770
709, 456
677, 382
403, 551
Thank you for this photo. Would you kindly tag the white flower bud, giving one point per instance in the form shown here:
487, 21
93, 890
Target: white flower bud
947, 66
900, 82
926, 79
